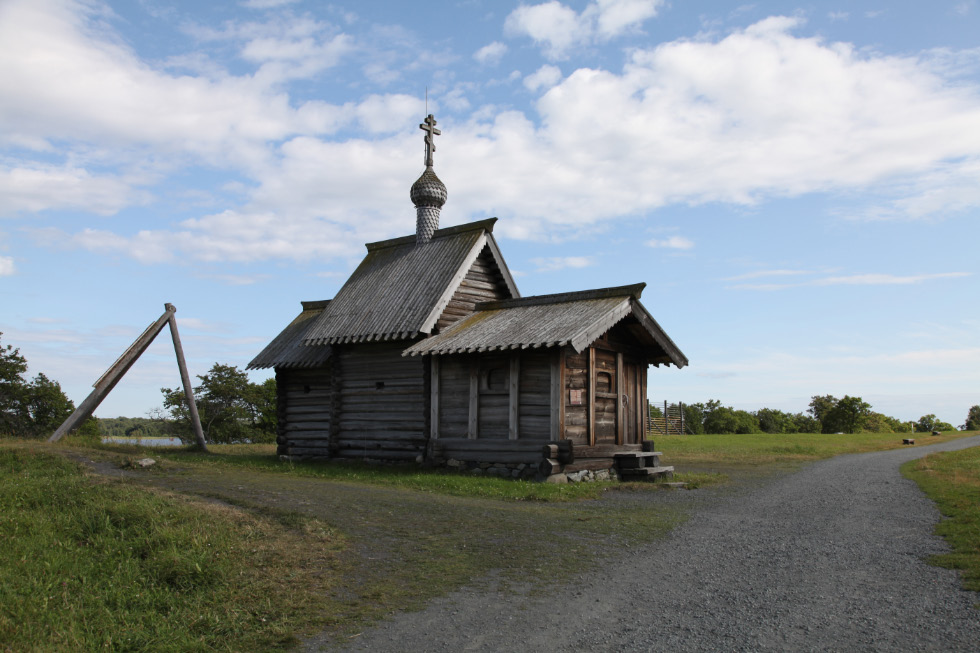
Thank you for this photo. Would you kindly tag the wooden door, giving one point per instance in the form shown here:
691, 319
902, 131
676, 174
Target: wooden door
606, 397
630, 398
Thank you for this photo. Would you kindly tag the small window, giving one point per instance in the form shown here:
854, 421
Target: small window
380, 385
494, 380
306, 389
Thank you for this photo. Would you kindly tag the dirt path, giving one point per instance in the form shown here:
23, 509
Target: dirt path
828, 558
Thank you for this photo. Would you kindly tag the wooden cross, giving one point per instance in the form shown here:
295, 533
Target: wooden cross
429, 127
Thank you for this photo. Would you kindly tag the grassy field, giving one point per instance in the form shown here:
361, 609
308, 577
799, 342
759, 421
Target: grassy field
89, 565
147, 563
952, 480
153, 562
761, 449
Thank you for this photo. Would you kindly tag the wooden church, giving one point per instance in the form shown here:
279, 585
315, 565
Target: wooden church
428, 353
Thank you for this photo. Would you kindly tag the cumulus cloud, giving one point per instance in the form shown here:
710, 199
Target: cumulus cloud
555, 263
66, 81
740, 118
544, 77
266, 4
867, 279
7, 267
490, 54
31, 189
558, 28
671, 242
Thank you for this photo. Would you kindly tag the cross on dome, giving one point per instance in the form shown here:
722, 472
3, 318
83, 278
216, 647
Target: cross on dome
429, 127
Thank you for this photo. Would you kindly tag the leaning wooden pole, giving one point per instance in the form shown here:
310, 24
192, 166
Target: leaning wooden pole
186, 380
111, 377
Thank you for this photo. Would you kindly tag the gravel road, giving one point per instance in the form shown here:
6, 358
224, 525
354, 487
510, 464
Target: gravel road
829, 558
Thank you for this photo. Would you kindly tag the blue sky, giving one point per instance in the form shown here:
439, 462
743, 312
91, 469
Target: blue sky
796, 184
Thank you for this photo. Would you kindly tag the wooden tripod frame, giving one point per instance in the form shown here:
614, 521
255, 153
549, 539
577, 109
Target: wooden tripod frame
112, 376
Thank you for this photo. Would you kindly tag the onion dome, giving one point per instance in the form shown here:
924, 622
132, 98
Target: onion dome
428, 190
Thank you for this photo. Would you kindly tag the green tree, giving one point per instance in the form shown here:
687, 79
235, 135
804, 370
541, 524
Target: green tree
725, 419
32, 408
694, 418
231, 408
973, 419
775, 421
803, 423
846, 416
821, 405
876, 423
930, 422
12, 390
47, 406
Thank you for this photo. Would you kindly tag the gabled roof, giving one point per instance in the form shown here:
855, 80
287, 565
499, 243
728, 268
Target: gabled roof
576, 319
288, 350
400, 288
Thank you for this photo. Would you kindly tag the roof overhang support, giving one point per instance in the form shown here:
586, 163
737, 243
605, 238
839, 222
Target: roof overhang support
114, 374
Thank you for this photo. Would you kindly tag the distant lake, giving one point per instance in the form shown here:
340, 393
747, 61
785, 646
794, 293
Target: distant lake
145, 442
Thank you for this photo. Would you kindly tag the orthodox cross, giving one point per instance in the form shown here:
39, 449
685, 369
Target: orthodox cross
429, 127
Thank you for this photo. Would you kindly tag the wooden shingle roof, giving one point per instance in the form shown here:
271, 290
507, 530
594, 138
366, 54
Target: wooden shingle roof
400, 289
288, 350
576, 319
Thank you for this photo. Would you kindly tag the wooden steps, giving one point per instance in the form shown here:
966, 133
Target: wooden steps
641, 466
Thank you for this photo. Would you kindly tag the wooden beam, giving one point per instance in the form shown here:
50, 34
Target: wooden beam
621, 414
561, 388
185, 379
591, 406
474, 415
434, 399
515, 396
557, 396
112, 376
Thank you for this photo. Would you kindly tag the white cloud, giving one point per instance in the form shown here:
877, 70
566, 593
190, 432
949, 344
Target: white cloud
869, 279
766, 273
7, 267
555, 263
671, 242
886, 279
617, 16
267, 4
838, 15
558, 28
490, 54
544, 77
756, 114
31, 189
66, 81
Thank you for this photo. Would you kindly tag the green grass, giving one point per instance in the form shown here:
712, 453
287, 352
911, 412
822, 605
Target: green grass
291, 549
88, 564
952, 481
262, 458
757, 449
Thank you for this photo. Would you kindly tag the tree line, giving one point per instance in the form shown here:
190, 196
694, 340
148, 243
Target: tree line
825, 414
233, 409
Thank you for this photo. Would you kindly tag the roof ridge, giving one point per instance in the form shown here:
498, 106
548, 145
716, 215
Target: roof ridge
633, 290
440, 233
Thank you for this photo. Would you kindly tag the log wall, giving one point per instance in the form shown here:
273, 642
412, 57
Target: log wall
576, 373
382, 402
534, 390
493, 407
305, 409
